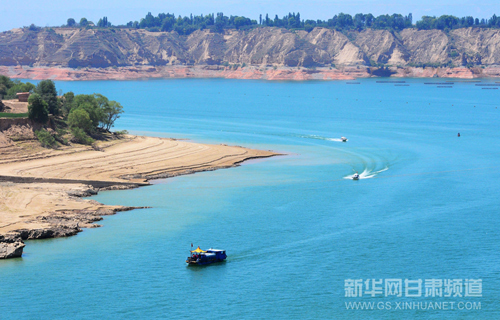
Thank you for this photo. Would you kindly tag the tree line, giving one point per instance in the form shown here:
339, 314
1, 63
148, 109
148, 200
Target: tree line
452, 22
85, 115
342, 22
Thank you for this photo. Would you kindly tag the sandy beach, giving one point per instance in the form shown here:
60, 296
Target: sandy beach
41, 189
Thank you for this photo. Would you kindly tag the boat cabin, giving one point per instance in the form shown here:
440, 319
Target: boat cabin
201, 257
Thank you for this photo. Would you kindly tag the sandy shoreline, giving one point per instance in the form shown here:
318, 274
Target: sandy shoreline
250, 72
41, 190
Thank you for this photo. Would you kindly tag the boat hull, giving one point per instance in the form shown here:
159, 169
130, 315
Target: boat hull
203, 262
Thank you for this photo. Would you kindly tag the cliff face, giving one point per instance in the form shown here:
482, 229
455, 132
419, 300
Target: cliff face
101, 48
427, 46
382, 46
478, 45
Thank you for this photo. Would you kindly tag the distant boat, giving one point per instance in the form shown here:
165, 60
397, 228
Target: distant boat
344, 139
355, 176
203, 257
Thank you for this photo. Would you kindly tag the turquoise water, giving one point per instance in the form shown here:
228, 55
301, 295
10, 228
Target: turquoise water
295, 227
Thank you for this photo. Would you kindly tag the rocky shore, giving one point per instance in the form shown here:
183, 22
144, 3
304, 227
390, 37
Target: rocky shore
60, 224
11, 246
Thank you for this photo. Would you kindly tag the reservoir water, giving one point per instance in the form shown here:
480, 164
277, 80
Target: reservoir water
295, 227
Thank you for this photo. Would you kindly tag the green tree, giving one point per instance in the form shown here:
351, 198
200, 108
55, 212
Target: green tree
79, 118
67, 102
93, 104
47, 90
80, 99
103, 23
37, 109
219, 22
32, 27
84, 22
95, 114
5, 85
111, 112
108, 111
71, 22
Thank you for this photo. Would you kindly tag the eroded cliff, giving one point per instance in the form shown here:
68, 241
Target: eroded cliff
102, 48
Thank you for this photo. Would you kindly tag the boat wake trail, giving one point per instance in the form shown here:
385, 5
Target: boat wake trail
367, 174
318, 137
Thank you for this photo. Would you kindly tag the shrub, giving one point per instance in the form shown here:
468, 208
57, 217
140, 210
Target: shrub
60, 137
79, 136
79, 118
120, 133
37, 109
46, 139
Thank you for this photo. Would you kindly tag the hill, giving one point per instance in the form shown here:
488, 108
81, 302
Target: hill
264, 47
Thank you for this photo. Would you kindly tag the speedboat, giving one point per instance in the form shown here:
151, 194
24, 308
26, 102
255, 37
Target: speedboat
355, 176
344, 139
202, 257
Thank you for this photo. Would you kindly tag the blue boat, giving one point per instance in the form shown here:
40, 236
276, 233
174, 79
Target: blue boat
203, 257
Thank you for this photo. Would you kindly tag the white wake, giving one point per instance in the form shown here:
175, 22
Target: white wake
367, 174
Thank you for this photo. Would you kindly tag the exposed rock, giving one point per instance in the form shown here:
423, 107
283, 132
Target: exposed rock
205, 47
11, 246
480, 46
426, 46
338, 47
382, 46
61, 224
56, 232
130, 53
82, 193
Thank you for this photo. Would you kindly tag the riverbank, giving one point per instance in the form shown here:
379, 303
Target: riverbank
250, 72
42, 190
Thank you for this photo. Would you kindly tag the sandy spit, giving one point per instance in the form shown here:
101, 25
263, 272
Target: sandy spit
41, 190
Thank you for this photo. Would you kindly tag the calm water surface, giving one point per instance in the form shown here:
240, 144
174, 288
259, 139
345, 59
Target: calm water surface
295, 227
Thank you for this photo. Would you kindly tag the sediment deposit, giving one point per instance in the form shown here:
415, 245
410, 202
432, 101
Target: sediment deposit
41, 189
